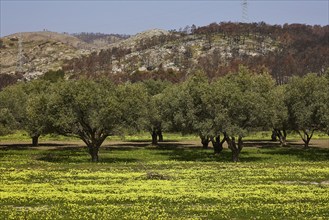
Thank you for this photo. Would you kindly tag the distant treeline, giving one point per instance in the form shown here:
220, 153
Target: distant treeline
89, 37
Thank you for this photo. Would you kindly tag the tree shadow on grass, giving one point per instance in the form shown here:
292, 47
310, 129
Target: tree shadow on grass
30, 146
142, 145
55, 158
261, 143
206, 155
174, 145
312, 154
77, 154
125, 146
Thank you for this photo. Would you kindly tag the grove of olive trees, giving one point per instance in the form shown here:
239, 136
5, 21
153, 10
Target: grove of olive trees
222, 110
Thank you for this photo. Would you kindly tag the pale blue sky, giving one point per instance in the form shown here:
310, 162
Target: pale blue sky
131, 17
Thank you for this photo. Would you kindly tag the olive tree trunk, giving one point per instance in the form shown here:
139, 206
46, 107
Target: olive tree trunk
282, 135
154, 137
35, 140
93, 141
274, 136
93, 151
204, 141
160, 135
306, 137
217, 144
234, 147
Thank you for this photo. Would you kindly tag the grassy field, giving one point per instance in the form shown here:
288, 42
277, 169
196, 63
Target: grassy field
176, 180
22, 136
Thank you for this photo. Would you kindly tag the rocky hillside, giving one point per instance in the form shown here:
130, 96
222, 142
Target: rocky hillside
40, 52
155, 50
215, 49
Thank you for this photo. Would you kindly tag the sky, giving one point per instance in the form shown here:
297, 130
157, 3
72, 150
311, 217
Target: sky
133, 16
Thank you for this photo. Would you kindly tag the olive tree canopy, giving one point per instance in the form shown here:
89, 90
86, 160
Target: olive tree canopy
307, 102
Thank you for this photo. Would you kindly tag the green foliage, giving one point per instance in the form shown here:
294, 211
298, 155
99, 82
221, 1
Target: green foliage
189, 107
7, 121
14, 99
243, 101
83, 107
37, 119
279, 114
27, 103
93, 110
53, 76
155, 87
133, 106
232, 106
307, 102
154, 120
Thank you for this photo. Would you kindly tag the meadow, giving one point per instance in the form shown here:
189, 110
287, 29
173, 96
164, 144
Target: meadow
175, 180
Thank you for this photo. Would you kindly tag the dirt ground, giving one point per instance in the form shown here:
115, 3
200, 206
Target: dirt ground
319, 143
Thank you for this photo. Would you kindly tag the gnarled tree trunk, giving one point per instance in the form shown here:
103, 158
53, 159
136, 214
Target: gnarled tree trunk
154, 137
274, 135
204, 141
160, 135
306, 137
93, 151
234, 147
35, 140
93, 140
282, 135
217, 144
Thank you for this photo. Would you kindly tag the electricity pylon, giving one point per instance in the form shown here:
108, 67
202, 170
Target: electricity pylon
19, 66
244, 4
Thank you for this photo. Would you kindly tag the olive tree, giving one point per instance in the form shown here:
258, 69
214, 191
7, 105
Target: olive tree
92, 111
27, 103
13, 104
325, 108
307, 101
7, 121
242, 106
154, 122
132, 98
279, 114
188, 105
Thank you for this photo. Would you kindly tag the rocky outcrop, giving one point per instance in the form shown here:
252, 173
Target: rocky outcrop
33, 54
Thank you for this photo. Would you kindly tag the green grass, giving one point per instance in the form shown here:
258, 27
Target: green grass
172, 181
22, 136
266, 135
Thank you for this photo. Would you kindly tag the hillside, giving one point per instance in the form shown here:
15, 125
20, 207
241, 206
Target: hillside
40, 52
100, 40
216, 49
